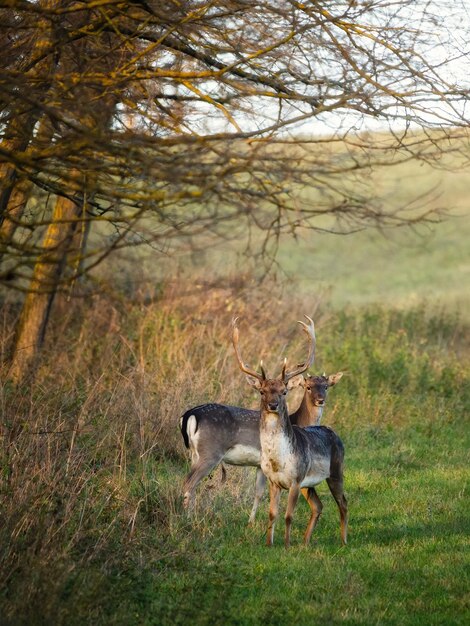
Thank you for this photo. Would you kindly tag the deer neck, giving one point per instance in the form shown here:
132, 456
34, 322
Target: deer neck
307, 414
277, 445
275, 428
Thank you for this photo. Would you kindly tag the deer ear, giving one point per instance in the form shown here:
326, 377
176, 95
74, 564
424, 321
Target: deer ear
295, 382
334, 378
253, 382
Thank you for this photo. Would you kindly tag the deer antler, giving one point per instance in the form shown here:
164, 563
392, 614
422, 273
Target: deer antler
243, 367
309, 329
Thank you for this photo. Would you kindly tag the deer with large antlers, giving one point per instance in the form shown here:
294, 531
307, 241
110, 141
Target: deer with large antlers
293, 458
219, 433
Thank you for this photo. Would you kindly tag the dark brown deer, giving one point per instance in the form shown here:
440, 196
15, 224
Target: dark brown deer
293, 458
219, 433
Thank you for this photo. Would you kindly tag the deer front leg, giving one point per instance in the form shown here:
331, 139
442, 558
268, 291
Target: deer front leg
260, 484
294, 492
274, 495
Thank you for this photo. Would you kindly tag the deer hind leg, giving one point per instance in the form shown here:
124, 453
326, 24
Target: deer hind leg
336, 488
274, 495
316, 507
294, 493
223, 472
260, 484
198, 471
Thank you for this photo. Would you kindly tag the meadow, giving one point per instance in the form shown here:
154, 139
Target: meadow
425, 263
92, 529
404, 267
92, 526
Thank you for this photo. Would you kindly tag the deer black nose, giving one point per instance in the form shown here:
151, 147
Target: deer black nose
273, 406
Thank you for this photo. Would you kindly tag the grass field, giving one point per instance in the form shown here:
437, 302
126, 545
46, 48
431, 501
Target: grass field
397, 267
92, 527
406, 562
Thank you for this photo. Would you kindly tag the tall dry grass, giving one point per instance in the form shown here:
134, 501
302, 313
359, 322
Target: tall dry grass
92, 459
86, 445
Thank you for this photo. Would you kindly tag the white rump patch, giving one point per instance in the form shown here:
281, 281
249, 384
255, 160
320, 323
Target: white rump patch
193, 436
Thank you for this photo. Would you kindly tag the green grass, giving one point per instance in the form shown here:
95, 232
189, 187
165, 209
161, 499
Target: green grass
405, 563
397, 268
93, 528
400, 266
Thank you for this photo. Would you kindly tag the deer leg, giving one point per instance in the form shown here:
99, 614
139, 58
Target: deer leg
274, 495
336, 488
199, 471
316, 507
223, 477
294, 492
260, 484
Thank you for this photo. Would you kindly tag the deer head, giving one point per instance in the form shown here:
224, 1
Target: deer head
274, 390
317, 387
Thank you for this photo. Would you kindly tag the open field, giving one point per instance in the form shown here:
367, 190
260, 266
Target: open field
398, 267
92, 528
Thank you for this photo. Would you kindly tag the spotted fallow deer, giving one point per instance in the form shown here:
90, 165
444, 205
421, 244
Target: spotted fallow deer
219, 433
293, 458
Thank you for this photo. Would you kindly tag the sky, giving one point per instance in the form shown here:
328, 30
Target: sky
444, 48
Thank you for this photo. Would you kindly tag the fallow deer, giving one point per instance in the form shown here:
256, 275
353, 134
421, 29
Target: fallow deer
219, 433
293, 458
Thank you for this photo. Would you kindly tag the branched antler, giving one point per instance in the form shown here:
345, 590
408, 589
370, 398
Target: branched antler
243, 367
309, 329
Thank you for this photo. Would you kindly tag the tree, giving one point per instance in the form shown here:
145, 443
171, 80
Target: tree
198, 120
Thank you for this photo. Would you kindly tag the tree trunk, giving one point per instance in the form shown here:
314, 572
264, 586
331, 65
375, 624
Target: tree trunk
19, 193
47, 274
19, 132
16, 143
16, 204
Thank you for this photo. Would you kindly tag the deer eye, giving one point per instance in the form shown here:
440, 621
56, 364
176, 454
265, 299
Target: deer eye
284, 392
